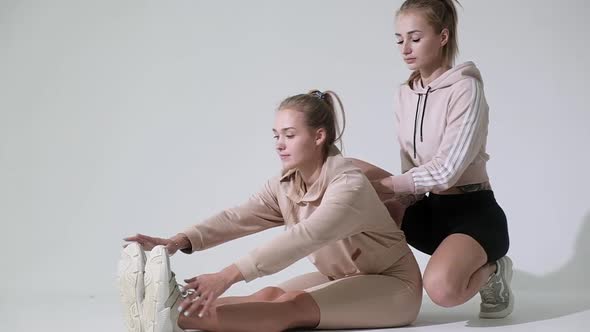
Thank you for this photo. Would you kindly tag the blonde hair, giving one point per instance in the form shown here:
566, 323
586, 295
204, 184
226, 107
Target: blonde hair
440, 14
319, 110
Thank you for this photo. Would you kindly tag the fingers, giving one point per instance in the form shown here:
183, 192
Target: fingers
206, 307
146, 238
192, 283
143, 236
131, 238
135, 238
140, 237
191, 304
191, 290
196, 302
184, 305
146, 242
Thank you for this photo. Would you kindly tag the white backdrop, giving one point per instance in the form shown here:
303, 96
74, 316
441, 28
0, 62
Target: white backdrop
119, 117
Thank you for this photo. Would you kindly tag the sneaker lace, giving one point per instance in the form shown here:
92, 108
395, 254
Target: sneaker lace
488, 295
487, 292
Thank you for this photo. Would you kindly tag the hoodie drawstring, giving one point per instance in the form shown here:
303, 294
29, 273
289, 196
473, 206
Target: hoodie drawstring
421, 120
416, 122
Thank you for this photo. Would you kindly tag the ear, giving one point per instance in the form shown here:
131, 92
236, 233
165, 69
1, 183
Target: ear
320, 136
444, 37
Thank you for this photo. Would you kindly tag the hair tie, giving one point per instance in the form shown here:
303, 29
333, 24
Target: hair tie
319, 94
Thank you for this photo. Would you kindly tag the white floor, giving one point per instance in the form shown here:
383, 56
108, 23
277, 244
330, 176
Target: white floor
533, 312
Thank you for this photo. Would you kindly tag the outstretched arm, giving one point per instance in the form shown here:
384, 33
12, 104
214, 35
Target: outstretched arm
259, 213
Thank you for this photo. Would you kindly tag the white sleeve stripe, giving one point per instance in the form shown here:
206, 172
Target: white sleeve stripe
459, 149
457, 154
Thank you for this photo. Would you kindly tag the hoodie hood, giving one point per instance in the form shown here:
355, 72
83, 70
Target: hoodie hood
448, 78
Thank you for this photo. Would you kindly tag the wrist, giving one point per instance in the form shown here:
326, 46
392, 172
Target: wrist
231, 275
180, 241
387, 184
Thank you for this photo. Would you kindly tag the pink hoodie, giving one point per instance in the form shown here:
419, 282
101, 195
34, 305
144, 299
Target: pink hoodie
442, 130
339, 223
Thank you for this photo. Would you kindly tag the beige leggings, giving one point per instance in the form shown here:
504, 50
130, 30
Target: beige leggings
389, 299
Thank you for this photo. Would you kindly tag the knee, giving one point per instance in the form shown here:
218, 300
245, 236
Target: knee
296, 299
302, 303
442, 290
269, 294
293, 296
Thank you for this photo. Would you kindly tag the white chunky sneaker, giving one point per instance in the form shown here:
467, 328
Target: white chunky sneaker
497, 300
130, 283
160, 313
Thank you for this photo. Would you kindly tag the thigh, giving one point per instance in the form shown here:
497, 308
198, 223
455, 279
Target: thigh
366, 301
454, 262
488, 226
419, 228
477, 215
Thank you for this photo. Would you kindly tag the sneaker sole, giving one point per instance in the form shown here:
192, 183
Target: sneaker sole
130, 282
510, 307
157, 291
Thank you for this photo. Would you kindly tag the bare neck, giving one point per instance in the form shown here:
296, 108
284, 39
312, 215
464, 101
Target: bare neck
431, 73
311, 172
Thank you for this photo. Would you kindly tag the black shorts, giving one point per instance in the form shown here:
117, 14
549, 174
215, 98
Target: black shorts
477, 214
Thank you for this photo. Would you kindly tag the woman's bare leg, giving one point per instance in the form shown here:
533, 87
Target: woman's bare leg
258, 312
456, 271
263, 295
447, 280
291, 310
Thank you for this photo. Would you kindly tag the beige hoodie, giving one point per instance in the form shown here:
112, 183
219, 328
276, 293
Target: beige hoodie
339, 223
442, 130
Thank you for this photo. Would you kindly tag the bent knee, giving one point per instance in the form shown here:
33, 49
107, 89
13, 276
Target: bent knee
292, 296
269, 293
301, 302
442, 291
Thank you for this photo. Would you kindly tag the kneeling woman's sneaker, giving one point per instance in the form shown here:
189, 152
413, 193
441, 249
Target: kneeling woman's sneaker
497, 300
